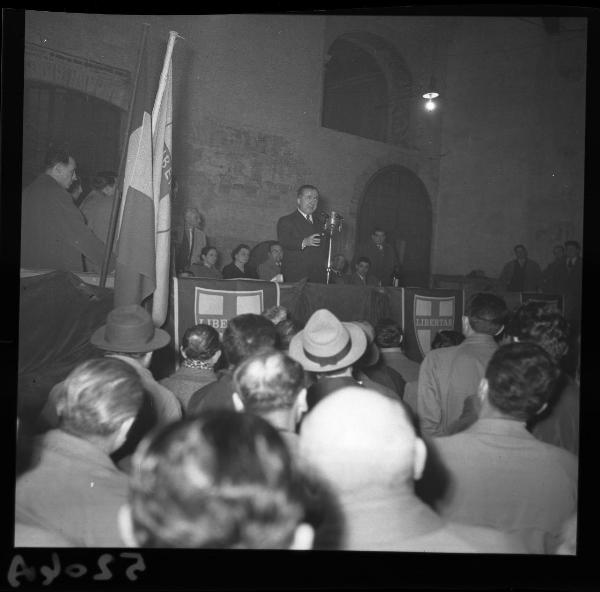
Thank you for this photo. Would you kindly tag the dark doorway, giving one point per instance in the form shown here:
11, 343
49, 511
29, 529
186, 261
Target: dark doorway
88, 127
396, 200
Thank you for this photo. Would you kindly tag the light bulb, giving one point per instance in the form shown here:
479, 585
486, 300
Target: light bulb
430, 105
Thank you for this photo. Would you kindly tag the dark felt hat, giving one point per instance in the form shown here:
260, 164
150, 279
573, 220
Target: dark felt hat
129, 329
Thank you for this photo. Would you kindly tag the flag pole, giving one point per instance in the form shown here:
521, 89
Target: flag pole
163, 75
118, 193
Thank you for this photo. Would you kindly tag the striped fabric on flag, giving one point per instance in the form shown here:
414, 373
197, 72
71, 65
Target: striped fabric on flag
162, 121
135, 275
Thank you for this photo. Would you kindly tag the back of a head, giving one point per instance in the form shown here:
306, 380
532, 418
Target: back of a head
104, 179
447, 339
268, 381
388, 333
200, 342
276, 314
220, 480
98, 396
521, 377
357, 440
56, 156
246, 335
286, 330
539, 323
487, 313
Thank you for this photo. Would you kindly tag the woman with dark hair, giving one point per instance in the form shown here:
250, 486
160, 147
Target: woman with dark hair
238, 268
207, 269
97, 204
200, 351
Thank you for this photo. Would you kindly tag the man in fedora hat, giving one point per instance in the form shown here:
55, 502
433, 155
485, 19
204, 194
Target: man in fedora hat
129, 335
330, 348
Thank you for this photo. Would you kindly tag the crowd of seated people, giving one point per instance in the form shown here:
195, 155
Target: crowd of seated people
288, 436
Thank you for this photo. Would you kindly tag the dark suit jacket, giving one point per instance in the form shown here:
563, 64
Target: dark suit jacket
186, 257
53, 231
382, 261
356, 280
301, 263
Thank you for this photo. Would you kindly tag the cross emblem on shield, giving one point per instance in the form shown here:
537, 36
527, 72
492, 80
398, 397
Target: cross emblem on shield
216, 307
432, 314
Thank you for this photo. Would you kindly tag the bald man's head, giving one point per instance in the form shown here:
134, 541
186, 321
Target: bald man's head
357, 438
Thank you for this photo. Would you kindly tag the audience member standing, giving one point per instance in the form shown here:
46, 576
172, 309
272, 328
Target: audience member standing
382, 256
74, 488
389, 337
558, 424
371, 368
535, 322
521, 274
245, 335
97, 204
222, 480
129, 335
449, 375
53, 230
200, 350
364, 447
500, 475
271, 384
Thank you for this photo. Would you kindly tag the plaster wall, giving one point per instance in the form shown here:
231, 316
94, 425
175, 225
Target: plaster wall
512, 143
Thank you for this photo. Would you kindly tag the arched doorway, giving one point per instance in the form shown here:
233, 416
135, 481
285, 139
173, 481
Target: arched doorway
396, 200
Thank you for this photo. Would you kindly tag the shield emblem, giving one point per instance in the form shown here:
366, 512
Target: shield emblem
430, 315
216, 307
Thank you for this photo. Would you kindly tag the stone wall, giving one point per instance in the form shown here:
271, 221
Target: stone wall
247, 133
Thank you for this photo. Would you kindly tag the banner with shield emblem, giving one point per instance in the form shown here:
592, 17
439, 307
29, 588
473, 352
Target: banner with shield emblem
425, 313
213, 302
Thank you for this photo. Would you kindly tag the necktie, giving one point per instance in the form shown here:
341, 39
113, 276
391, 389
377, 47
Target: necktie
380, 247
309, 218
191, 242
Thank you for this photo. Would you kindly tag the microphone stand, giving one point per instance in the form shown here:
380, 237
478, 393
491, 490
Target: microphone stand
332, 224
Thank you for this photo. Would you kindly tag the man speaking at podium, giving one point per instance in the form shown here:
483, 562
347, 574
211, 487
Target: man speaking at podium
304, 248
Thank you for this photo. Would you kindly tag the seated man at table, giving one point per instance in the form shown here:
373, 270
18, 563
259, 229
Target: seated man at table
270, 270
361, 276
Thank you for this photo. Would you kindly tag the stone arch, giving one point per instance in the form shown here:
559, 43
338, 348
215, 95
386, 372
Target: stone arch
395, 199
98, 80
397, 76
